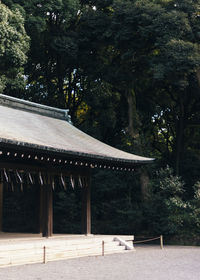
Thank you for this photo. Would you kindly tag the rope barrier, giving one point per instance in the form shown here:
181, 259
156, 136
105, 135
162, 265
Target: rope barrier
147, 240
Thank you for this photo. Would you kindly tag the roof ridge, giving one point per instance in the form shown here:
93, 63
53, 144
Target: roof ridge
33, 107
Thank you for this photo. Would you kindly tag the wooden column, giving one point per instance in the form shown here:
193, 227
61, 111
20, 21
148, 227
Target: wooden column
46, 211
41, 208
86, 209
1, 207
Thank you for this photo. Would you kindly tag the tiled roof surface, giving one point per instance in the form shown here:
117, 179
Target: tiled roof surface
37, 126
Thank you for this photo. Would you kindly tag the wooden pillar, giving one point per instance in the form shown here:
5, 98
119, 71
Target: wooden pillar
41, 208
46, 211
1, 207
86, 209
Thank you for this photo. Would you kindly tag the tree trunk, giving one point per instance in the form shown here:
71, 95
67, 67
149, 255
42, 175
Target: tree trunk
144, 182
133, 119
179, 137
198, 77
133, 129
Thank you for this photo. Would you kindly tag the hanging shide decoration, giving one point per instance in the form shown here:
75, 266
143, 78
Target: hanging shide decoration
30, 178
72, 181
53, 184
22, 169
40, 178
16, 180
63, 181
5, 174
80, 182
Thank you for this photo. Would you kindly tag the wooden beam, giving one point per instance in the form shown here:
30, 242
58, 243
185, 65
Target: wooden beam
65, 170
1, 207
86, 209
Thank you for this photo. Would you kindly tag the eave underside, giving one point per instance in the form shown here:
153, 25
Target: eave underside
43, 134
42, 158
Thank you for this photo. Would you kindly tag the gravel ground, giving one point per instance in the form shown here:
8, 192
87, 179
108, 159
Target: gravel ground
146, 263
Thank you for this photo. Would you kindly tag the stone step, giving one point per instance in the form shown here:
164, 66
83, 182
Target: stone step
32, 251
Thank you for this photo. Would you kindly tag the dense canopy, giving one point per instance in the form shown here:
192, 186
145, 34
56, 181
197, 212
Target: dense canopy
129, 73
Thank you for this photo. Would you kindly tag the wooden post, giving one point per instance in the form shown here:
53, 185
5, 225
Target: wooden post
41, 209
44, 255
161, 242
1, 207
86, 209
47, 210
103, 248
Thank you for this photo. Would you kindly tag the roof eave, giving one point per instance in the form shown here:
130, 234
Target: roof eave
68, 153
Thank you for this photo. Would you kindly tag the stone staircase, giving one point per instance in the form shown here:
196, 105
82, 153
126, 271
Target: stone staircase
42, 250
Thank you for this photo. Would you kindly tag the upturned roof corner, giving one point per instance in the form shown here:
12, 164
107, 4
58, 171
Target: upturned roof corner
43, 129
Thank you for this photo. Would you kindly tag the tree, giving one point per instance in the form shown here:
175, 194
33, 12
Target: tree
129, 73
175, 65
51, 69
167, 211
156, 66
14, 44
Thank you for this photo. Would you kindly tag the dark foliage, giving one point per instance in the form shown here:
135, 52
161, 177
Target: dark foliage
129, 73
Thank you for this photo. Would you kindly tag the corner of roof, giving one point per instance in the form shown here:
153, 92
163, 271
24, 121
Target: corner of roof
24, 105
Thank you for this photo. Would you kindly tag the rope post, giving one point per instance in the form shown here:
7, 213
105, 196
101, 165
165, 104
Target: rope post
103, 245
161, 242
44, 255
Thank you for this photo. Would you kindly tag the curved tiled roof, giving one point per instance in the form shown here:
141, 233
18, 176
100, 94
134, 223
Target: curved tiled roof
32, 125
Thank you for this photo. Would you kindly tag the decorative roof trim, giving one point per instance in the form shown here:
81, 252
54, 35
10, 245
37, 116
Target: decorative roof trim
86, 156
30, 126
36, 108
